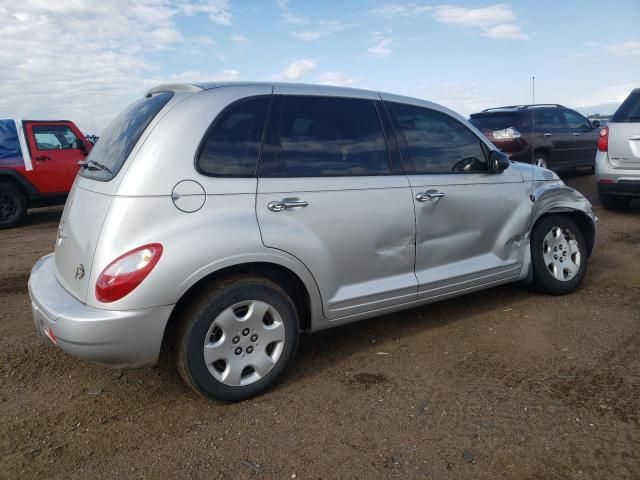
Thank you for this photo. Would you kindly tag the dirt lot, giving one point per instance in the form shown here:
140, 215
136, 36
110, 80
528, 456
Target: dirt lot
504, 383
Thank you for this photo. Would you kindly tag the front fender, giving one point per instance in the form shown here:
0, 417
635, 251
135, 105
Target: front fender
556, 197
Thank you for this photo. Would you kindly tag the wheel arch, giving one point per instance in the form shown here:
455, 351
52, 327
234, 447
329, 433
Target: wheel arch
13, 177
585, 223
304, 295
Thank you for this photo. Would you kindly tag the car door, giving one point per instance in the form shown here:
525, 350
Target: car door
550, 130
585, 138
469, 222
55, 153
327, 195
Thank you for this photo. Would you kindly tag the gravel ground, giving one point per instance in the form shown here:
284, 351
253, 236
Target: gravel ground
504, 383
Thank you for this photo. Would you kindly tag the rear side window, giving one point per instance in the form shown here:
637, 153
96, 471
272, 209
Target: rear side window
118, 139
232, 144
629, 111
437, 143
54, 137
325, 136
546, 119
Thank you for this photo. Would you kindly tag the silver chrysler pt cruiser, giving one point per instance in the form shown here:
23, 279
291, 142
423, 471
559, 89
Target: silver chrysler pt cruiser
226, 218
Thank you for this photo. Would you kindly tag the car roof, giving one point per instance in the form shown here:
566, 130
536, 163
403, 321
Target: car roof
288, 87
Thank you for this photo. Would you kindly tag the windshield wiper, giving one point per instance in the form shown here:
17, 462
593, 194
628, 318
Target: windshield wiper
93, 165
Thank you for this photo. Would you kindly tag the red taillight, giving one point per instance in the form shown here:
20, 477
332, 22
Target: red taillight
603, 141
127, 272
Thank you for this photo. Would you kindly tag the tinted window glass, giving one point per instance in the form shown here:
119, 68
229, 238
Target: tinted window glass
323, 136
437, 143
629, 111
232, 145
54, 137
119, 138
576, 121
546, 119
495, 121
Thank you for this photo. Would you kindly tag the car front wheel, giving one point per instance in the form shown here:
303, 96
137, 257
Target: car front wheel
559, 255
237, 339
13, 205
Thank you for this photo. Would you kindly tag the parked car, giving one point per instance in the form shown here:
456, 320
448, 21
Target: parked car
618, 157
228, 218
38, 164
561, 139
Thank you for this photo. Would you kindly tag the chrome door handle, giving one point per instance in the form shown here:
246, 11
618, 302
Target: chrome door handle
548, 134
576, 134
426, 196
275, 206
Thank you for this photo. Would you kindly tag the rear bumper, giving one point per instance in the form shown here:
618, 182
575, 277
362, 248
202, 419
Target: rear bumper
621, 186
129, 338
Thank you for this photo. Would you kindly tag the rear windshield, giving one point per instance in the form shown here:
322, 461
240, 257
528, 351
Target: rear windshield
629, 111
116, 142
494, 121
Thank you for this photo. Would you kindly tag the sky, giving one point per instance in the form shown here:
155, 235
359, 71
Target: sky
85, 60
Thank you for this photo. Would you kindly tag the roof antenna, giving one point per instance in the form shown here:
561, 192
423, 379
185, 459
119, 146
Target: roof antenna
533, 136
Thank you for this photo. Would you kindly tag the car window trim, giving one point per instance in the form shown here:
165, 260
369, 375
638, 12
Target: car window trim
403, 145
272, 138
213, 125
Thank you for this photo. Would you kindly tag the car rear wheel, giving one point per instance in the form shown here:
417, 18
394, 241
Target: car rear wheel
237, 339
13, 205
559, 255
614, 202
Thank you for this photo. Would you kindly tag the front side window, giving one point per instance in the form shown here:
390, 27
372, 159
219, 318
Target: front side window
54, 137
325, 136
437, 143
232, 144
576, 121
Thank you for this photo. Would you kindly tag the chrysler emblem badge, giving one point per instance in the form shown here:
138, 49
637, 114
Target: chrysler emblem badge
80, 272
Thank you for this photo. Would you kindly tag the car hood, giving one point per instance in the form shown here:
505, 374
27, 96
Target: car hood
530, 172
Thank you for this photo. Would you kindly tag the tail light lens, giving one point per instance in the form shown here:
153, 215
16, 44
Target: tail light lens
603, 140
126, 272
506, 134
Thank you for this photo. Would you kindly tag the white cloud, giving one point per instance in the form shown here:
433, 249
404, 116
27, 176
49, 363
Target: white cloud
323, 29
390, 10
613, 94
84, 59
340, 79
380, 44
495, 21
194, 76
506, 32
292, 19
307, 36
296, 70
625, 49
240, 40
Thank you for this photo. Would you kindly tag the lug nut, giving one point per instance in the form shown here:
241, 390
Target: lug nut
254, 337
238, 350
555, 249
249, 349
555, 256
235, 340
245, 332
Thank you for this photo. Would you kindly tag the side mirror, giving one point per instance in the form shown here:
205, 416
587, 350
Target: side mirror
595, 124
498, 161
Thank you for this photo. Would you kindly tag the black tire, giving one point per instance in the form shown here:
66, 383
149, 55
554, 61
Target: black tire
543, 279
197, 319
614, 202
541, 157
13, 205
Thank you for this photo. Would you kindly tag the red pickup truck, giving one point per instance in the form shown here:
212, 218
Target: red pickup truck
39, 161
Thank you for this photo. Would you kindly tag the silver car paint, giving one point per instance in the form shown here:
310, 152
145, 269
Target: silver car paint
355, 247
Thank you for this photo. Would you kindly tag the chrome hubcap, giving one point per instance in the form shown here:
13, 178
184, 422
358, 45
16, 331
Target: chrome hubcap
561, 253
540, 162
244, 343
